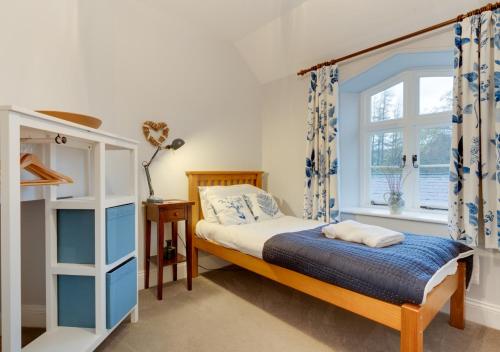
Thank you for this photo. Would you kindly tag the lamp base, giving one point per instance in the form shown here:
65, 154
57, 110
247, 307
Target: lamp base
154, 199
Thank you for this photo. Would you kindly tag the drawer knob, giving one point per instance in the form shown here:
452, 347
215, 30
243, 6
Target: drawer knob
176, 213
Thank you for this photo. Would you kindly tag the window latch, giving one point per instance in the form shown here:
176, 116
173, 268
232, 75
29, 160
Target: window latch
403, 161
414, 159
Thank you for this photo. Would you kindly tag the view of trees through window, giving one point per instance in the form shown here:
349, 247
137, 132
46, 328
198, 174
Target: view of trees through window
388, 104
434, 167
386, 157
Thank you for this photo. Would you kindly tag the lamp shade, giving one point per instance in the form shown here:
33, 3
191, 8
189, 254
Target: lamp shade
177, 143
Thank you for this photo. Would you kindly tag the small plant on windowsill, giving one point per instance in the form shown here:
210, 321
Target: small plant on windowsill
395, 177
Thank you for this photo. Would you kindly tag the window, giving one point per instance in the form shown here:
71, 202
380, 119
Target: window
434, 166
388, 104
406, 130
435, 94
386, 149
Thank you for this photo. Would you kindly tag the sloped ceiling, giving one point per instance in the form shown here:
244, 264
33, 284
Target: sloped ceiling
320, 30
227, 19
279, 37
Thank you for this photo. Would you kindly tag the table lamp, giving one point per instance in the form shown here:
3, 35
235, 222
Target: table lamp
176, 144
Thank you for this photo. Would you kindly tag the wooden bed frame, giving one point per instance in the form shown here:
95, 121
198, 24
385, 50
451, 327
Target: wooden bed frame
411, 320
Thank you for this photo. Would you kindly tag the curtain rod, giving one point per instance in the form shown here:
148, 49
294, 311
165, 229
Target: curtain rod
459, 18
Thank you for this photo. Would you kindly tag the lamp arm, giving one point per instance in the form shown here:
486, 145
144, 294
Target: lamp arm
154, 156
148, 175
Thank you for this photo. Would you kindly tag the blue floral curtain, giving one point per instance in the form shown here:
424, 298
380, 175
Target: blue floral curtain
321, 193
474, 209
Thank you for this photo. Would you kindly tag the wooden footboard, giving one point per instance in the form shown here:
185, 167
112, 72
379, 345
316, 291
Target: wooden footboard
411, 320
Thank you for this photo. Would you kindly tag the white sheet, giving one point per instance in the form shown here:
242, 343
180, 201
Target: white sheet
250, 239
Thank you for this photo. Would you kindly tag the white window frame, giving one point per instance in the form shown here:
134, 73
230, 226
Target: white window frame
410, 123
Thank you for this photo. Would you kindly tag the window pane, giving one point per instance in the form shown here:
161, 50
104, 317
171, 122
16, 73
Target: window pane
434, 168
436, 94
388, 104
386, 150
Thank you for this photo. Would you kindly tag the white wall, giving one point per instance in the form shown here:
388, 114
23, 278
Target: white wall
127, 62
145, 64
41, 57
283, 141
40, 66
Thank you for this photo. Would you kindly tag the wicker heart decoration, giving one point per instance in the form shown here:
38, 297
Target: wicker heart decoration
155, 132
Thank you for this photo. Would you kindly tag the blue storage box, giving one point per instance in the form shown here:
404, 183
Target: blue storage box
120, 232
121, 291
75, 236
76, 301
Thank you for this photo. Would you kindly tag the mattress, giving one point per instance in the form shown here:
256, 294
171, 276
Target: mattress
250, 239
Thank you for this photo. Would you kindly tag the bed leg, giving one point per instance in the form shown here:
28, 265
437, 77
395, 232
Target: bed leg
412, 329
457, 301
194, 258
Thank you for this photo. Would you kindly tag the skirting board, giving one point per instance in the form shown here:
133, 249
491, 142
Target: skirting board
482, 313
33, 316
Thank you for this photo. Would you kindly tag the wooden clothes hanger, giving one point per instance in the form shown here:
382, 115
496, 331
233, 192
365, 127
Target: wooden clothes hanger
33, 165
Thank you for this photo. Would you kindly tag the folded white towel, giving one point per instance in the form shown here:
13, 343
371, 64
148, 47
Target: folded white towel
370, 235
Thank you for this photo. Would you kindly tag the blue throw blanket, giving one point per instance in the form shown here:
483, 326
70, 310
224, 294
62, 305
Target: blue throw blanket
397, 274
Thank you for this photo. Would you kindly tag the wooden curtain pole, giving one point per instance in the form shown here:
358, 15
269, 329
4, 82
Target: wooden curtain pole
459, 18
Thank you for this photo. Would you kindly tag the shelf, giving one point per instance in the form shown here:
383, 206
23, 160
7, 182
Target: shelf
73, 269
179, 259
120, 261
64, 339
96, 161
73, 203
90, 202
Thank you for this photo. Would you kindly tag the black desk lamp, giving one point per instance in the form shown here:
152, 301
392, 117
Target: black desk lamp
176, 144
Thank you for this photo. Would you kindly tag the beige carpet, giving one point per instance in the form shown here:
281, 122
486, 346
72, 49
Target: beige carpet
238, 311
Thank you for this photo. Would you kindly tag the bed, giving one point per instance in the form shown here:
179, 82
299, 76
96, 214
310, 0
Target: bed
410, 319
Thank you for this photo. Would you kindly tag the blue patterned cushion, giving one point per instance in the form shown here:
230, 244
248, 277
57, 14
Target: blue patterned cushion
263, 206
232, 210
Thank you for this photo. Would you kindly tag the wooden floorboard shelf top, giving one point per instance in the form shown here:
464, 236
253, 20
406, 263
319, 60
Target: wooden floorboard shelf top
177, 260
64, 339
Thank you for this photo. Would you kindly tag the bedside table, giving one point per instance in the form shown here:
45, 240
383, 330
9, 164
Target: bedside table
170, 211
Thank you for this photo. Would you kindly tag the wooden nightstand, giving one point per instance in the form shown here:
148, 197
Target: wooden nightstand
169, 211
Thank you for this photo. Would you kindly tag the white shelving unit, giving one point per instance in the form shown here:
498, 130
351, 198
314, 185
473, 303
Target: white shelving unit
16, 123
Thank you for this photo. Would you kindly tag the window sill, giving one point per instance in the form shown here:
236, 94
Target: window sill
436, 217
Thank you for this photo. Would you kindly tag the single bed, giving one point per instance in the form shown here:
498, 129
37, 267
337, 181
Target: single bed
245, 250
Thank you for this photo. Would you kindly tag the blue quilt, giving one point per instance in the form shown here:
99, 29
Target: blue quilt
397, 274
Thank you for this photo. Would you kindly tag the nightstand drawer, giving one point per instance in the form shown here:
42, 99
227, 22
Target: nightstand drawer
175, 214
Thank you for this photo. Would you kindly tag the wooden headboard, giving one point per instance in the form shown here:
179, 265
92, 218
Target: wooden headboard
217, 178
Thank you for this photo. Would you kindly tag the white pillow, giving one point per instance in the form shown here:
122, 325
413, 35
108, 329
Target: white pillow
207, 208
232, 210
263, 206
220, 192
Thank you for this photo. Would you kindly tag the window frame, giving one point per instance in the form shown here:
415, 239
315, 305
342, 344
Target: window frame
411, 123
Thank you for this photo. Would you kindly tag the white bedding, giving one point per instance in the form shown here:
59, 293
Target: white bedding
250, 239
